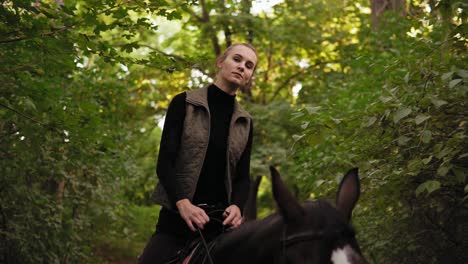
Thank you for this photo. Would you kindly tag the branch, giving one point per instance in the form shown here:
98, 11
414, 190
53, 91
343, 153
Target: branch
49, 127
285, 83
382, 8
205, 15
211, 30
247, 5
47, 34
176, 57
266, 76
295, 75
21, 114
227, 30
188, 10
60, 29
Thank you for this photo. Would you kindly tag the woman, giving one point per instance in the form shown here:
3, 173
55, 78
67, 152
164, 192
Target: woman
204, 157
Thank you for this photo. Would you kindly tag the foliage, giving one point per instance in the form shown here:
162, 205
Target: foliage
399, 114
128, 232
85, 83
65, 120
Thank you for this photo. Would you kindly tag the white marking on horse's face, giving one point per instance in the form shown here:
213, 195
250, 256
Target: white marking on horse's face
339, 256
347, 255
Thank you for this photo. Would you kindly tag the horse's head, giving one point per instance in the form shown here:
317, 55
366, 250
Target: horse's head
317, 232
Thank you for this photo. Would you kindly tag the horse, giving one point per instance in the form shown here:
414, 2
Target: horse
250, 207
313, 233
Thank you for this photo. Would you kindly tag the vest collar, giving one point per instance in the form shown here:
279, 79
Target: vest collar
200, 97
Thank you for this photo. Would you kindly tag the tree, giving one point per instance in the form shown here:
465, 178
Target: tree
379, 7
84, 85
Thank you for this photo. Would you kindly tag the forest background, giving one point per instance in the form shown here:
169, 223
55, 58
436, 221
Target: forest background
84, 86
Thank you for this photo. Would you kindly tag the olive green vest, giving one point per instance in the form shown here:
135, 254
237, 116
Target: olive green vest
194, 144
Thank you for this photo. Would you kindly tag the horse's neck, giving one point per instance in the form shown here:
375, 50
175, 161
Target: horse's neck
252, 239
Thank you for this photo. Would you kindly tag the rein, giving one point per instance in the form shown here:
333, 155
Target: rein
205, 245
209, 211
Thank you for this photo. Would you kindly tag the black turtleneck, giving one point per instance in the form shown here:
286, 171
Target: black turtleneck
210, 188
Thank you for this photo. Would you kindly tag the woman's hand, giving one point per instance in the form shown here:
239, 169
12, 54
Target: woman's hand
192, 215
233, 216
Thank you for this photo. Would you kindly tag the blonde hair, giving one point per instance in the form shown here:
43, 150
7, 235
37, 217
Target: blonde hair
224, 55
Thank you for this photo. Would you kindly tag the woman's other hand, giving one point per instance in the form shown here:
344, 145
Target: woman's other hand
192, 215
233, 216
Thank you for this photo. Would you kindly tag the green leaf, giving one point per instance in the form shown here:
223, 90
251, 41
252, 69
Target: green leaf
385, 99
297, 137
427, 160
319, 182
120, 13
403, 140
174, 15
426, 136
369, 122
406, 78
49, 15
29, 104
421, 118
429, 186
336, 120
462, 73
437, 102
421, 188
444, 152
313, 109
401, 113
447, 76
296, 115
305, 125
459, 174
143, 21
443, 169
454, 83
466, 188
415, 165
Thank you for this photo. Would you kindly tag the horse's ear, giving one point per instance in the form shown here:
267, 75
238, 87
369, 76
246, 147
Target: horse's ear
348, 193
250, 207
289, 207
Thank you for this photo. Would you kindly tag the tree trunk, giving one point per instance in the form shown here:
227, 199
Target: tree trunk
209, 29
378, 7
246, 6
60, 191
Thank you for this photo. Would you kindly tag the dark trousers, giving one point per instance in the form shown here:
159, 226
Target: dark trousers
173, 235
162, 249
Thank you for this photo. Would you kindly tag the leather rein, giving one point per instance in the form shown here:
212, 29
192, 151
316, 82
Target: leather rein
210, 210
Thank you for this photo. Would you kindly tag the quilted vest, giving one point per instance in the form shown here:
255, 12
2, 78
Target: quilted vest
194, 144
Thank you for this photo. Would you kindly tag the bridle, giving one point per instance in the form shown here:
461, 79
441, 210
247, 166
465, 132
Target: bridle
287, 241
312, 235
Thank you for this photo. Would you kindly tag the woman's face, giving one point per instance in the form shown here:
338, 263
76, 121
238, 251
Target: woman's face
238, 66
